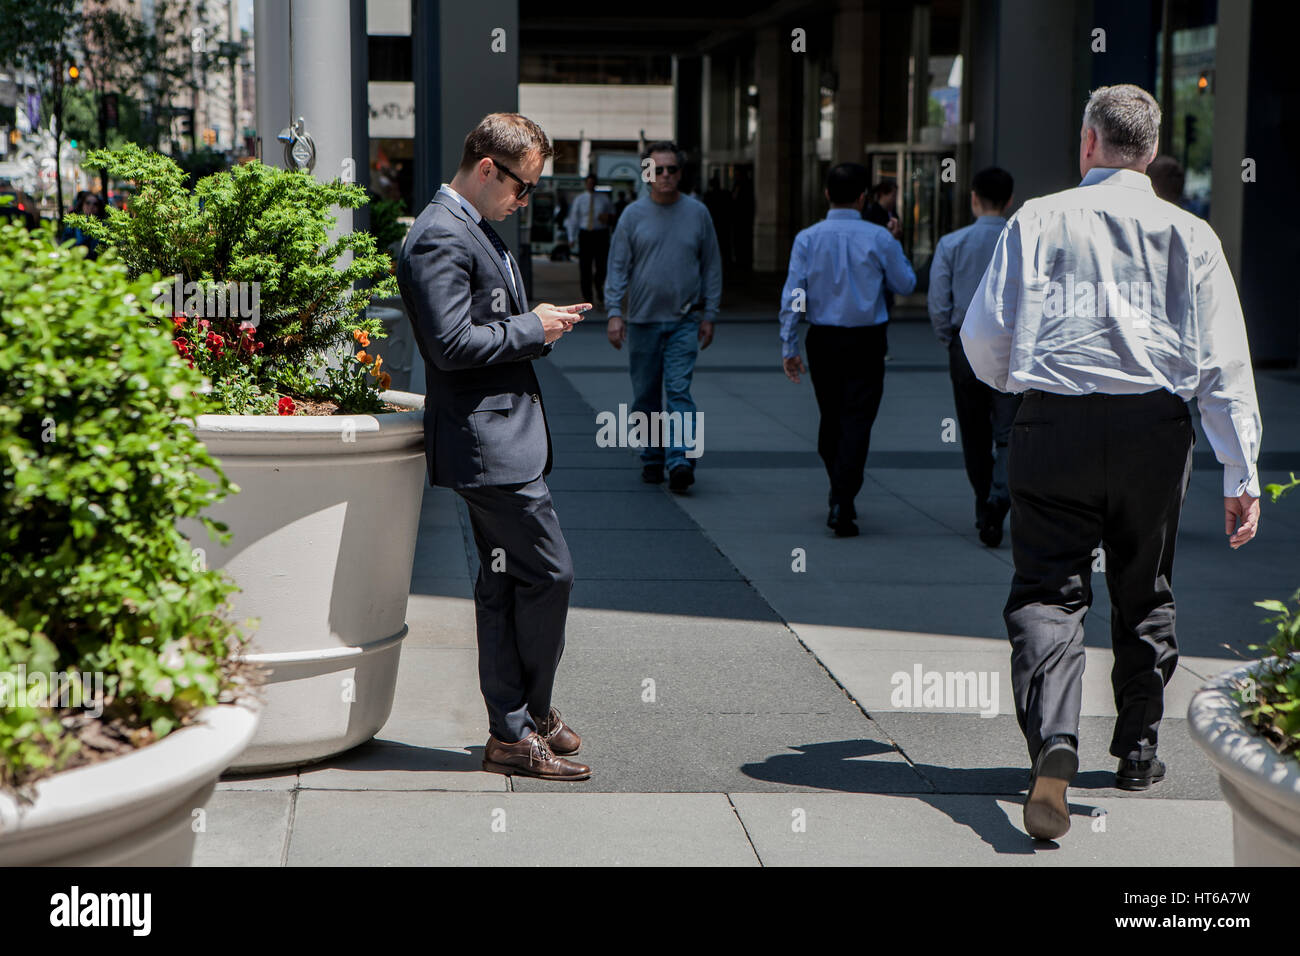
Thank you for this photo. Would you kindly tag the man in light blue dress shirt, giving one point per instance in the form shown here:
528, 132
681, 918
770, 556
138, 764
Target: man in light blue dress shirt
1110, 308
984, 415
839, 271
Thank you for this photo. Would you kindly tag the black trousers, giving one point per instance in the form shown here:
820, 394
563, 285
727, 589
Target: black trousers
1089, 471
521, 602
847, 367
593, 251
984, 417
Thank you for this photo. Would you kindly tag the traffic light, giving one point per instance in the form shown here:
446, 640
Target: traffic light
74, 74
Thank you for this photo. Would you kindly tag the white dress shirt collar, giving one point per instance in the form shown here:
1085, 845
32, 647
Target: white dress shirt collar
1118, 177
469, 206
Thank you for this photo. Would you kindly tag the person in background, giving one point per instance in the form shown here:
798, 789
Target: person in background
664, 259
882, 208
839, 271
984, 416
589, 221
1110, 309
86, 204
1167, 179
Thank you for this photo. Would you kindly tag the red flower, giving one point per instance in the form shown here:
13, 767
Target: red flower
182, 345
178, 322
285, 406
204, 324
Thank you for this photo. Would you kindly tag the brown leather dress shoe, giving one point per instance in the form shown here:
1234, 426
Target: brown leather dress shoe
531, 757
561, 738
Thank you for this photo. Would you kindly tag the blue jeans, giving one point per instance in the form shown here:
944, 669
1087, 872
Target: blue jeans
661, 357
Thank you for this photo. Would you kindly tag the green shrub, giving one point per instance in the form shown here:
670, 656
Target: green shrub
253, 224
97, 464
1272, 698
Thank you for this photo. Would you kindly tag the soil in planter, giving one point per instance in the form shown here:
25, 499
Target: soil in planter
304, 407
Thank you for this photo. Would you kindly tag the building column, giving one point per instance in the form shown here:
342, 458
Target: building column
688, 116
466, 65
304, 56
857, 94
776, 150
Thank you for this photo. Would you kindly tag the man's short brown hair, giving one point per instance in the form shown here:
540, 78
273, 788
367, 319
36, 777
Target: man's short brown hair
509, 137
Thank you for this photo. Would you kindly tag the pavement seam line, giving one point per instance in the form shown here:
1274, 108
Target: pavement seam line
744, 829
288, 830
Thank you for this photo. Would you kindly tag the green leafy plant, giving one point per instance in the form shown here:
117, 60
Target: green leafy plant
97, 463
263, 235
1271, 698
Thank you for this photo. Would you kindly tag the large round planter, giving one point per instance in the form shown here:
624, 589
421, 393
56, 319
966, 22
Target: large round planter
323, 537
1260, 785
135, 810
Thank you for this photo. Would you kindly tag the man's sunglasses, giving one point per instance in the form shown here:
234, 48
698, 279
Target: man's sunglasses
670, 170
524, 189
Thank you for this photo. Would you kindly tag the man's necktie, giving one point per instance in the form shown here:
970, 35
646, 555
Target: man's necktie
493, 238
500, 247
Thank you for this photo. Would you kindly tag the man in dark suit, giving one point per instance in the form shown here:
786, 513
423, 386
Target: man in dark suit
486, 434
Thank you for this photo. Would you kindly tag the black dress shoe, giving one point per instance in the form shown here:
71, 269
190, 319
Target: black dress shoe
653, 474
681, 478
1046, 814
840, 521
995, 512
1139, 774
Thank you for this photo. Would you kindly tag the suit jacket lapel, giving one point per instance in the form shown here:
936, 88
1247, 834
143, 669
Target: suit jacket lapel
474, 230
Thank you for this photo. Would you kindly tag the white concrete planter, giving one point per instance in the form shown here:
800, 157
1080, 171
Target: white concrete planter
323, 539
1260, 785
135, 810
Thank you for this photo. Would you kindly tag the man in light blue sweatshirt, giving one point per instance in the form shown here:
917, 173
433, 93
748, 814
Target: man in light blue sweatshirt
664, 260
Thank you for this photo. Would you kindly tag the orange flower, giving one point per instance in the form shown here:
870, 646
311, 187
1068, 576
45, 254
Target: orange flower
385, 380
362, 338
364, 358
379, 360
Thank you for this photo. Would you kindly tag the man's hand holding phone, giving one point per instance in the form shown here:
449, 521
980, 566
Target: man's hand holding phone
558, 319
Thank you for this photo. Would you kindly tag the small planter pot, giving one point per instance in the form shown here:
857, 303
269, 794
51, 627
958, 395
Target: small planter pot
1260, 785
135, 810
323, 539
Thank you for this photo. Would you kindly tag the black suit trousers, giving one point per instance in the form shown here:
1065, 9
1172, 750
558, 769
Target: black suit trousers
1088, 472
984, 417
847, 367
593, 253
521, 602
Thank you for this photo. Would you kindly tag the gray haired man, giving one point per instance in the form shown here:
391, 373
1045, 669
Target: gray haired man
1110, 308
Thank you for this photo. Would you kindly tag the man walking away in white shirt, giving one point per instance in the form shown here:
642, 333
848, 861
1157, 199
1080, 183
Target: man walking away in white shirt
1111, 308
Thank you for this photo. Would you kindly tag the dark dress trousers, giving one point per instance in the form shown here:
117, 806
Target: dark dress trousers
1086, 472
486, 436
847, 367
984, 416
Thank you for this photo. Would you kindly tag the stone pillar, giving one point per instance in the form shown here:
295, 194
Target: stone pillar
304, 55
857, 94
688, 116
466, 65
776, 150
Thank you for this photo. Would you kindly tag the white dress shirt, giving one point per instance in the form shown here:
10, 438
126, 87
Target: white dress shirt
586, 209
477, 216
1108, 288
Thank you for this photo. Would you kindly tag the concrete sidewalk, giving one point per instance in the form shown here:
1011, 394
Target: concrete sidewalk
737, 711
